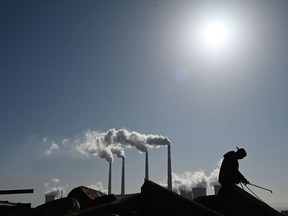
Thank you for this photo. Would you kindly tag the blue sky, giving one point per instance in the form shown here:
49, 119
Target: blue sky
72, 66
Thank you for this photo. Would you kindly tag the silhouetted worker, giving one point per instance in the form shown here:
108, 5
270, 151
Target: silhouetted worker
229, 176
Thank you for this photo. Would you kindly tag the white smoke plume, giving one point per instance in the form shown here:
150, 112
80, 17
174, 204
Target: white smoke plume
213, 177
189, 180
135, 139
52, 148
56, 192
105, 144
98, 187
127, 138
58, 145
118, 150
94, 144
53, 188
157, 140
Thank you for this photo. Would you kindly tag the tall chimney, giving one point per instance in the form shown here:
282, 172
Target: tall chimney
123, 177
110, 178
146, 166
169, 181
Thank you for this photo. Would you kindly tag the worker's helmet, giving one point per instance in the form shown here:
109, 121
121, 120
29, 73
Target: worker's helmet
241, 152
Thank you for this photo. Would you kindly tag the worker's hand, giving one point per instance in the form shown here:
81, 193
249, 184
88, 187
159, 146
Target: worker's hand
245, 181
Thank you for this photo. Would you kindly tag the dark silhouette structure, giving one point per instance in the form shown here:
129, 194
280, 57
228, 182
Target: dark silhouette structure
229, 176
151, 201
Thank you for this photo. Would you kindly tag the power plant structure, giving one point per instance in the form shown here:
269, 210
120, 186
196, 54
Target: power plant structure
123, 177
186, 193
194, 193
198, 192
146, 166
110, 178
216, 189
49, 197
169, 176
169, 172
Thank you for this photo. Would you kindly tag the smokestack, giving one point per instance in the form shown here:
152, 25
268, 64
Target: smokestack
146, 166
198, 192
169, 182
110, 178
123, 177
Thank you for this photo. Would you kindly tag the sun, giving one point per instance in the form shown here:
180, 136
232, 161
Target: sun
216, 33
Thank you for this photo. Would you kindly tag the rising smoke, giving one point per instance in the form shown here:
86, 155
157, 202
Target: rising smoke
53, 188
94, 144
189, 180
99, 187
106, 144
157, 140
197, 179
52, 148
213, 177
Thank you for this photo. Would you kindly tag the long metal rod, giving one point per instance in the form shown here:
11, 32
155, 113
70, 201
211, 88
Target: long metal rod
20, 191
253, 193
261, 187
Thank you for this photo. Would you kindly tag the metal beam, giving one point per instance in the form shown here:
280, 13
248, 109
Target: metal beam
20, 191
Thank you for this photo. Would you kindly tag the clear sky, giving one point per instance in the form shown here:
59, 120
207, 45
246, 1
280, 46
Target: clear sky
73, 66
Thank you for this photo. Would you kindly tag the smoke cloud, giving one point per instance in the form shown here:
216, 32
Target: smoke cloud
189, 180
157, 140
127, 138
53, 188
98, 187
105, 145
213, 177
118, 150
94, 144
197, 179
52, 148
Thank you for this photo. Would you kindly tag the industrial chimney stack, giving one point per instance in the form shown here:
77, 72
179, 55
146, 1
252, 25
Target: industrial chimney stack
123, 177
169, 182
146, 166
110, 178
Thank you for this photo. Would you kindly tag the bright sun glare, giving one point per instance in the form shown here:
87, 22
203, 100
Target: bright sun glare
216, 34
